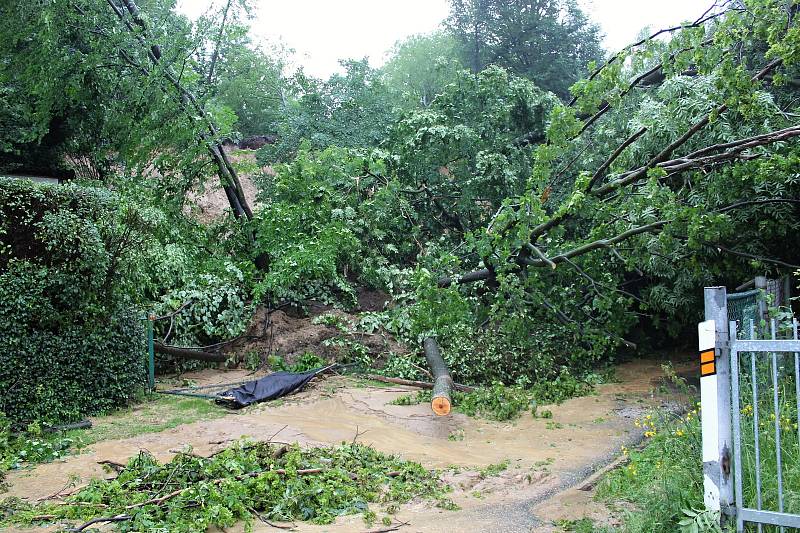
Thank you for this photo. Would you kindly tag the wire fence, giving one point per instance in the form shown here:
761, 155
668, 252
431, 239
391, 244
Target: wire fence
766, 393
766, 401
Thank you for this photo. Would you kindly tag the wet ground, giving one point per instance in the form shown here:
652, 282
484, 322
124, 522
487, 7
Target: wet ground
550, 459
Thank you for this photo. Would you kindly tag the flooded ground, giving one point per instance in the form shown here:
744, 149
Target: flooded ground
549, 459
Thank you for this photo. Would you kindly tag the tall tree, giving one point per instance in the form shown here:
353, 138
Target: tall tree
548, 41
353, 109
420, 67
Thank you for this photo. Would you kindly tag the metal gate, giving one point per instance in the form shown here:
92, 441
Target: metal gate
750, 395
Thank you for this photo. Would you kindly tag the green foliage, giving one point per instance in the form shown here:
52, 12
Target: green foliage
494, 469
547, 41
248, 481
307, 239
349, 110
500, 402
217, 306
30, 450
329, 220
583, 525
18, 450
485, 338
662, 480
497, 402
420, 66
700, 521
69, 343
247, 79
95, 109
460, 154
396, 177
307, 361
412, 399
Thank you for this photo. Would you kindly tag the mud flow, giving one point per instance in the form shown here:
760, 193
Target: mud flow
545, 456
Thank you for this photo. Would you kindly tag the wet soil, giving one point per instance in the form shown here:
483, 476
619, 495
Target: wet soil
546, 456
283, 333
210, 203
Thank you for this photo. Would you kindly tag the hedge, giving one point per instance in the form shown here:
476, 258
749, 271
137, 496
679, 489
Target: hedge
70, 345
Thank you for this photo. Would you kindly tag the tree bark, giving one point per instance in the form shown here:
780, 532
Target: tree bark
186, 353
215, 55
443, 384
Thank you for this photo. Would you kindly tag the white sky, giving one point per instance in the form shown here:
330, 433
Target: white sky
324, 31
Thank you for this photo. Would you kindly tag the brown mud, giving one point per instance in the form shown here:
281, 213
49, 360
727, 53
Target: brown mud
210, 203
546, 456
280, 332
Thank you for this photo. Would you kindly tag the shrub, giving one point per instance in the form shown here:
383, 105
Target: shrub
69, 343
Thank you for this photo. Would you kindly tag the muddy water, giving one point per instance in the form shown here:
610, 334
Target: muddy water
544, 455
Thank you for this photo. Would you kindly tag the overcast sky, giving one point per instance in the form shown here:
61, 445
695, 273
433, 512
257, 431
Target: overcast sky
324, 31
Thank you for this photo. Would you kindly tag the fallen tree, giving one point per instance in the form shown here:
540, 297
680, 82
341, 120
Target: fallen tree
189, 353
560, 226
703, 159
441, 402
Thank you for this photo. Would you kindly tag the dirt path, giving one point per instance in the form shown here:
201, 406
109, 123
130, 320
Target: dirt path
546, 456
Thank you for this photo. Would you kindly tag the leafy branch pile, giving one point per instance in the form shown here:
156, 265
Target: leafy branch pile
501, 402
246, 482
32, 447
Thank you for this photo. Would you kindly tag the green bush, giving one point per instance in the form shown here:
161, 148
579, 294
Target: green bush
69, 343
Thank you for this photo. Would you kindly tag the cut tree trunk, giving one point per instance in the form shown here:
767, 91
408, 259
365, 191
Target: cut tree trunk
443, 383
187, 353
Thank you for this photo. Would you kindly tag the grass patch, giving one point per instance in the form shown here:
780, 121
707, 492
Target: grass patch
158, 412
584, 525
246, 482
494, 469
661, 480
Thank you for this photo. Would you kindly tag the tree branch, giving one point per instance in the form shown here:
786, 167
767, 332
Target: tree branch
613, 157
725, 249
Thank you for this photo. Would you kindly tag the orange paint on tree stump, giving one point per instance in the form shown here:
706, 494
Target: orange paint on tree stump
441, 406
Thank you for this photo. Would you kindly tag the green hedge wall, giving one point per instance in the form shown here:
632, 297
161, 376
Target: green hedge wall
69, 343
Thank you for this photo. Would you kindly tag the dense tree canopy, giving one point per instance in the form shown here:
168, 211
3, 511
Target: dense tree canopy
421, 66
547, 41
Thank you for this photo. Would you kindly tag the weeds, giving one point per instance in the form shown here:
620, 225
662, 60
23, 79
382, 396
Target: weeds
663, 479
494, 469
31, 447
307, 361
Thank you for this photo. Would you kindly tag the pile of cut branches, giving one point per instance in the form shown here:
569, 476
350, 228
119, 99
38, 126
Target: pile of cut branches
245, 482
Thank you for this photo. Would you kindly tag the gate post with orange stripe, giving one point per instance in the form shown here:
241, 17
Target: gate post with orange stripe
713, 364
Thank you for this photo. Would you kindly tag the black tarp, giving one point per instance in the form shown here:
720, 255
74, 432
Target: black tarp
267, 388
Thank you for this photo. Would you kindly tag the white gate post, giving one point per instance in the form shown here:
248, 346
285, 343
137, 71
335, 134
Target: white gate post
715, 401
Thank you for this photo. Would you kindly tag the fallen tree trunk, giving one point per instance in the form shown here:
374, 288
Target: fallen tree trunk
419, 384
186, 353
83, 424
443, 383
